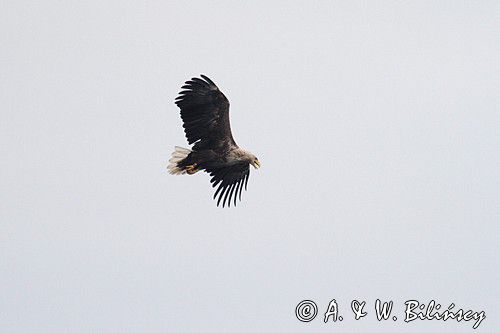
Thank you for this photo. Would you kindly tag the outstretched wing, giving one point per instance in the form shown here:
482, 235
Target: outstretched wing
230, 180
205, 113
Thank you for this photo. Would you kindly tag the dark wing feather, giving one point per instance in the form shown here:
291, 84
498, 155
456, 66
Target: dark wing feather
205, 113
230, 180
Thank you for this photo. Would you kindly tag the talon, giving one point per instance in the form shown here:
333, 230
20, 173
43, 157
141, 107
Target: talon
190, 169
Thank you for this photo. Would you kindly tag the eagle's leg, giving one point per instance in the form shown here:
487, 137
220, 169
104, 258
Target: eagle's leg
191, 169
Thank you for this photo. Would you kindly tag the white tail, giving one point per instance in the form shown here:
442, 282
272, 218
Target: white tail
178, 155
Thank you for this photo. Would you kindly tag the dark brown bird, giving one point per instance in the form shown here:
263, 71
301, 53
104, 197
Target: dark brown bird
205, 113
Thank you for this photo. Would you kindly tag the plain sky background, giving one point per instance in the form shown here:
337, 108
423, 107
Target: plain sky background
377, 126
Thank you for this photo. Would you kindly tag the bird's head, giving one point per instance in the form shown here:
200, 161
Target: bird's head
252, 159
245, 155
255, 162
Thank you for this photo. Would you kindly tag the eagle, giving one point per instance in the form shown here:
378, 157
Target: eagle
205, 113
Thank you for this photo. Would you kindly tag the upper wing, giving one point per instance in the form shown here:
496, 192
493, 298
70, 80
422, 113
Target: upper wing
231, 180
205, 113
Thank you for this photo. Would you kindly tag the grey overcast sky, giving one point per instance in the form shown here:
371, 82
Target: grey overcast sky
377, 125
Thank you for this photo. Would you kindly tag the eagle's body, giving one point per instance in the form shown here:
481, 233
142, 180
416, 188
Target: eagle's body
205, 113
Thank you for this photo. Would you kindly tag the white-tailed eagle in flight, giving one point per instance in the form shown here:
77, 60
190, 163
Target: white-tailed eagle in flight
205, 113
